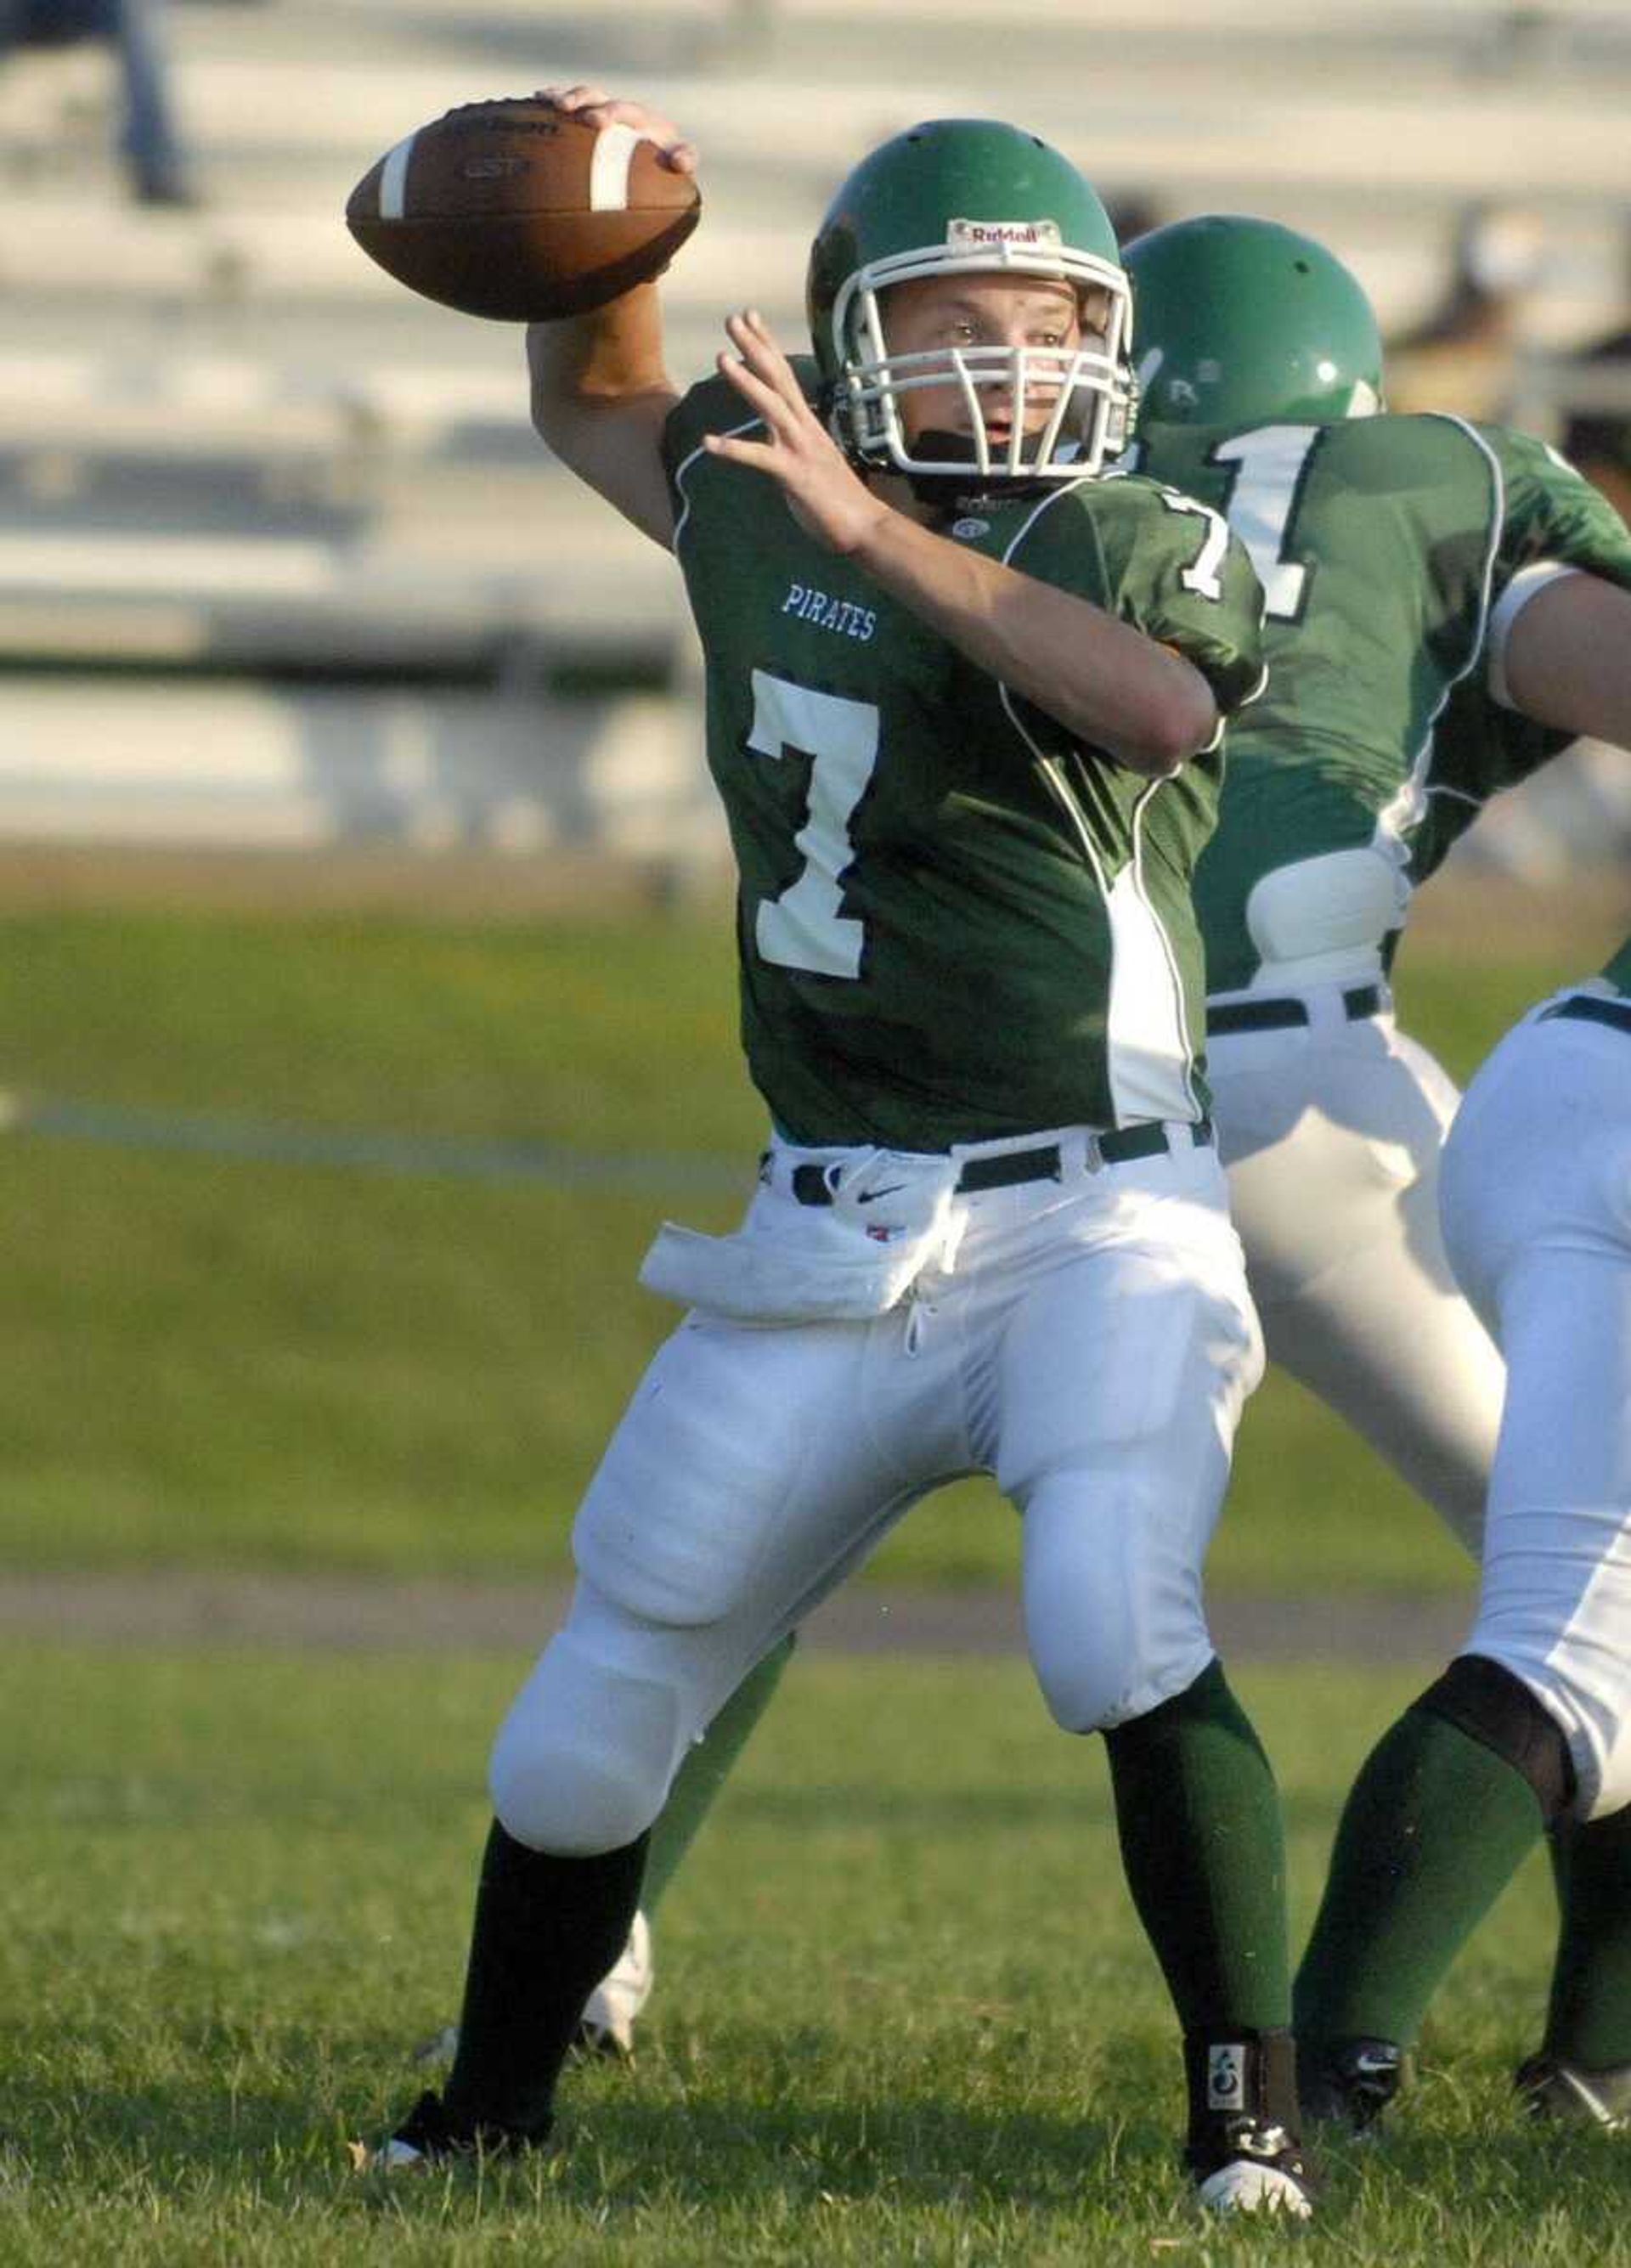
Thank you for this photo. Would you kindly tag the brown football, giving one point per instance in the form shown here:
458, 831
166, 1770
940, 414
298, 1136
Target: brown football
520, 211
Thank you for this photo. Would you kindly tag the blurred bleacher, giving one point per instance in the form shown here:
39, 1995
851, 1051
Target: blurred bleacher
283, 566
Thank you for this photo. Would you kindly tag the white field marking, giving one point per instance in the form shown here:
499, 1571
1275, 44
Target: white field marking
608, 169
394, 179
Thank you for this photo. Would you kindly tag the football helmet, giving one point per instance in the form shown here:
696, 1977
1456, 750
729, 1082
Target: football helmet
1242, 322
959, 196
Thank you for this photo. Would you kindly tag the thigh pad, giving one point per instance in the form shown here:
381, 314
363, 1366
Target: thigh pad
687, 1499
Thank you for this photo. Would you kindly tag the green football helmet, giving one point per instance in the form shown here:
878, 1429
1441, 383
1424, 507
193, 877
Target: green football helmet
1242, 322
959, 196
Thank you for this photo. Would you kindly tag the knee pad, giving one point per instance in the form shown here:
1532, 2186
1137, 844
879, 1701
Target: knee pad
583, 1761
1097, 1694
1492, 1706
1114, 1621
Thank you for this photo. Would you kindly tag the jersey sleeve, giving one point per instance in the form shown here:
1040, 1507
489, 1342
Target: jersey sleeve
1479, 749
1552, 517
702, 409
1162, 562
1552, 520
714, 405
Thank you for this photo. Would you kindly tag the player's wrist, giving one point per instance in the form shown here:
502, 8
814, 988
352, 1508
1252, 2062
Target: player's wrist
873, 532
865, 539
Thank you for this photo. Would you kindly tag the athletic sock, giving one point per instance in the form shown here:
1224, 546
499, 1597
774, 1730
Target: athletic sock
708, 1764
1589, 2021
546, 1931
1201, 1841
1434, 1829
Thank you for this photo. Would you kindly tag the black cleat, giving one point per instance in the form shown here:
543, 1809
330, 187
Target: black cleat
1242, 2153
1253, 2166
1349, 2083
1550, 2088
428, 2138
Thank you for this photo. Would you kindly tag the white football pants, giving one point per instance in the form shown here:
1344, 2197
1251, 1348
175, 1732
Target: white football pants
1092, 1348
1332, 1134
1537, 1211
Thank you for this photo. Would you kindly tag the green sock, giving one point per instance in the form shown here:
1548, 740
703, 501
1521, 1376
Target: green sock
1434, 1829
706, 1768
1201, 1841
1589, 2021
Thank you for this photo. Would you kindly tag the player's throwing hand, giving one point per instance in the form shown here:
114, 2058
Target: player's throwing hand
596, 107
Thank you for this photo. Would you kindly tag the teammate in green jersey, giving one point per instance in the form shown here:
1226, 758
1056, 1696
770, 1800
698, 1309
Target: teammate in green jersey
964, 705
1448, 604
1396, 555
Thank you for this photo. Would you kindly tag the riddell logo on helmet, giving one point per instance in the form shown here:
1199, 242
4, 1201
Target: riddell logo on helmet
1022, 235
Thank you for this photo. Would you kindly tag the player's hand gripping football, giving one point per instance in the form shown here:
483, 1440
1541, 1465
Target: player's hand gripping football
596, 107
825, 496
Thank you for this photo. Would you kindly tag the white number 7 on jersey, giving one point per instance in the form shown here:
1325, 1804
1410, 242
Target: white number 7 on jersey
1201, 575
803, 927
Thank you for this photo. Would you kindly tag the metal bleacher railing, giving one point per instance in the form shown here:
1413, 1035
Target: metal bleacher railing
281, 563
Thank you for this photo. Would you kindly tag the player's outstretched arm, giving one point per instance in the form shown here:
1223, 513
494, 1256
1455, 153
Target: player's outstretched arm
1108, 684
601, 390
1566, 659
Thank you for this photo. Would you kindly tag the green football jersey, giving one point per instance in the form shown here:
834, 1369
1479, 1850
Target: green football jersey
1479, 748
955, 924
1384, 544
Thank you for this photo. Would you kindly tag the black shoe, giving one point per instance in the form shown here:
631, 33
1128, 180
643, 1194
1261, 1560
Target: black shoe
1243, 2153
1350, 2083
427, 2136
1550, 2088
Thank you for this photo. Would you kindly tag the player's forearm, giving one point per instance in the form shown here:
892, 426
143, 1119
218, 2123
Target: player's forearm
612, 355
600, 395
1568, 659
1108, 684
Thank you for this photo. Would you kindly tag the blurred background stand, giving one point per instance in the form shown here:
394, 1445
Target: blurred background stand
1461, 357
282, 568
134, 35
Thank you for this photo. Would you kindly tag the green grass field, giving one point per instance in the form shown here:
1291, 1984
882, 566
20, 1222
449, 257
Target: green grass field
903, 2012
212, 1360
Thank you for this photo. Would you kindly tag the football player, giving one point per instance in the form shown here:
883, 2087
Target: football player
1536, 1199
964, 709
1448, 605
1530, 1727
1397, 558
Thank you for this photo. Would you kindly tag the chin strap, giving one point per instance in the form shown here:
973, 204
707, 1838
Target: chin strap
948, 493
950, 496
955, 493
